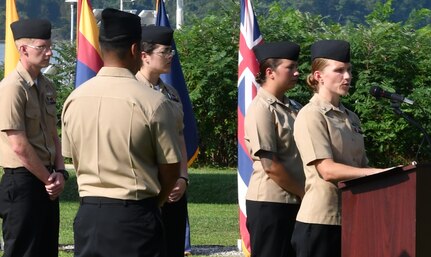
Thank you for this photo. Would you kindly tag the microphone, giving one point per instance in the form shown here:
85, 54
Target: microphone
378, 92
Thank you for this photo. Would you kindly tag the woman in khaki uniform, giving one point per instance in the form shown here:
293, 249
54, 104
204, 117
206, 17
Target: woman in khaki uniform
156, 57
331, 144
277, 182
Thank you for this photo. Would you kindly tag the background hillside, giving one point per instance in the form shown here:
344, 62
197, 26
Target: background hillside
342, 11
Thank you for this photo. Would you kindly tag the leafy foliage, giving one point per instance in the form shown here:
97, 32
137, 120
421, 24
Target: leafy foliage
394, 55
208, 53
64, 71
389, 54
343, 11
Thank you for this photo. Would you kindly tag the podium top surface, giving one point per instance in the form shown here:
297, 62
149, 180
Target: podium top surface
394, 170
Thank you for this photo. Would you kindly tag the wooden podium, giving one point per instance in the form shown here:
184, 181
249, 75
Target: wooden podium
388, 214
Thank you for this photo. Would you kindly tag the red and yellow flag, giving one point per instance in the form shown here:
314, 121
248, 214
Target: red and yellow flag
89, 59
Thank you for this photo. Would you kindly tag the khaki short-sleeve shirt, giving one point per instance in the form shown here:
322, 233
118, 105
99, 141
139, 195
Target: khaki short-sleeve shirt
269, 127
117, 133
171, 93
323, 131
30, 108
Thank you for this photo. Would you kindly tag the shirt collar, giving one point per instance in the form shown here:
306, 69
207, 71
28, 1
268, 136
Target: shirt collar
115, 72
160, 85
271, 98
23, 73
326, 106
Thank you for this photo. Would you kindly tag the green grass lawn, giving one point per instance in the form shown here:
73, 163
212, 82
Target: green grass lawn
213, 209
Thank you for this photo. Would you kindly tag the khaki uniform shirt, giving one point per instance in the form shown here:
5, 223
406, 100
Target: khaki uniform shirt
117, 132
323, 131
171, 93
269, 127
30, 108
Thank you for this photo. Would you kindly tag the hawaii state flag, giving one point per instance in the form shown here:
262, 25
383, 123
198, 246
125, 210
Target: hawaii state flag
11, 55
247, 88
176, 79
89, 59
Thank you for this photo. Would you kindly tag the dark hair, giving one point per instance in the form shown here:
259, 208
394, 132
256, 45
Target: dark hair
268, 63
148, 47
120, 48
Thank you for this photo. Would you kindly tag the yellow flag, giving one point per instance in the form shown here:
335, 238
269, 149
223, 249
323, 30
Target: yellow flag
11, 56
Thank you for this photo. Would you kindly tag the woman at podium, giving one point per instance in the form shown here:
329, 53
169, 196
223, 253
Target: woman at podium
331, 144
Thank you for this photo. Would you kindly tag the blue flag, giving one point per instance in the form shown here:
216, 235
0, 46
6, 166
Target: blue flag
176, 79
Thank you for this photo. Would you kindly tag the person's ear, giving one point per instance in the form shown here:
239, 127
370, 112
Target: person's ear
23, 49
318, 76
135, 49
269, 73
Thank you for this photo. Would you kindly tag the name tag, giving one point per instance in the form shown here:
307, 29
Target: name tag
50, 99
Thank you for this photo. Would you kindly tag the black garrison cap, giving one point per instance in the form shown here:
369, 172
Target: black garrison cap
118, 26
277, 50
31, 28
338, 50
157, 35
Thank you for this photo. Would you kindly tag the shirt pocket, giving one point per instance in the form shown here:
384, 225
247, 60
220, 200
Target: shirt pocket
284, 127
32, 121
51, 118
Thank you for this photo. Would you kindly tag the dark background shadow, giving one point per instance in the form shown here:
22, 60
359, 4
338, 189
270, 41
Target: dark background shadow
213, 188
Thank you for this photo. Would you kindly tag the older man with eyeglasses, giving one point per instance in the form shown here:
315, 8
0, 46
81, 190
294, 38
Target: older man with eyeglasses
30, 151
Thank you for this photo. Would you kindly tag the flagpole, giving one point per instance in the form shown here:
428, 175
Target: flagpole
71, 22
127, 1
72, 16
180, 17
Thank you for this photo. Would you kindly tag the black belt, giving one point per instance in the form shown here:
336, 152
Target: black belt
23, 170
94, 200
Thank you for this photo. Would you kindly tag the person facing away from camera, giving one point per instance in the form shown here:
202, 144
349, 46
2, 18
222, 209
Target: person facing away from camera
124, 147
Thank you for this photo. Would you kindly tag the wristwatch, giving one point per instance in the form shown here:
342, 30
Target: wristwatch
185, 179
64, 173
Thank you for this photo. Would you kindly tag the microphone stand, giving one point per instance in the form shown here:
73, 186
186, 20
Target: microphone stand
396, 108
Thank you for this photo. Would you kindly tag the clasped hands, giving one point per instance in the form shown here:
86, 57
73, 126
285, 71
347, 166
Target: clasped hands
55, 185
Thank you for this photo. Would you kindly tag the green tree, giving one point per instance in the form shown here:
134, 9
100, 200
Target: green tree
343, 11
63, 72
389, 54
209, 54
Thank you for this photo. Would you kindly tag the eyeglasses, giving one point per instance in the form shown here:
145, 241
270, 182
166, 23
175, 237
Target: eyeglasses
167, 53
42, 49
